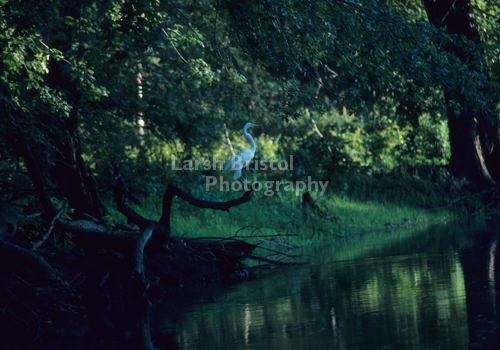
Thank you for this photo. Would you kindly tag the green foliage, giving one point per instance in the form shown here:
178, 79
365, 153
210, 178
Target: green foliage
148, 80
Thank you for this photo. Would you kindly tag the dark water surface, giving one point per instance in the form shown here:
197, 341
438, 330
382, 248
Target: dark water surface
408, 302
436, 290
402, 290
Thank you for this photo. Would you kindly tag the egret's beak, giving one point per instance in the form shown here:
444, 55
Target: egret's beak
255, 125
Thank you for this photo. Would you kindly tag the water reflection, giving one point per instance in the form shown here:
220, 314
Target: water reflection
432, 290
396, 302
414, 295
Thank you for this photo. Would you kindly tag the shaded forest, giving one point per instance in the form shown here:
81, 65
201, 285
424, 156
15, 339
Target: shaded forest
98, 99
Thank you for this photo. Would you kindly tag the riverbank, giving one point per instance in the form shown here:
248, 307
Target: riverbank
353, 206
354, 213
92, 280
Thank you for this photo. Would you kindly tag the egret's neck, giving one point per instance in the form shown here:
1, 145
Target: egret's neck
250, 139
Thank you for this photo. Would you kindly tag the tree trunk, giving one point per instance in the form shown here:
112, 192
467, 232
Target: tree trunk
72, 177
474, 134
69, 171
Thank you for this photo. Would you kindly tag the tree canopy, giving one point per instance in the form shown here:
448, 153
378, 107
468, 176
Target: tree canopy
86, 82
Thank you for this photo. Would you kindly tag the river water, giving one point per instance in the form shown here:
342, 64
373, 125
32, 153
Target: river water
435, 289
432, 290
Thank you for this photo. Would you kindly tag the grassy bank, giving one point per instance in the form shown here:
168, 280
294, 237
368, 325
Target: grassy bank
353, 207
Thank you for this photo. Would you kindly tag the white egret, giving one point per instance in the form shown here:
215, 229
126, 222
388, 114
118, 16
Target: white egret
242, 158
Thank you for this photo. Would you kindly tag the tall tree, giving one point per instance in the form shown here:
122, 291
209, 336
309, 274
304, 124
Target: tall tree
474, 129
69, 83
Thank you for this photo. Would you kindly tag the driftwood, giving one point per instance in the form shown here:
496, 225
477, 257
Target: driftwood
90, 233
100, 264
173, 190
159, 232
11, 253
150, 242
154, 236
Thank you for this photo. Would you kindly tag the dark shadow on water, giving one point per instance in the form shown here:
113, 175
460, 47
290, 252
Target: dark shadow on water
432, 290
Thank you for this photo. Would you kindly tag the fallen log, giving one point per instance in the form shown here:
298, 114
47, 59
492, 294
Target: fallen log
159, 232
98, 259
11, 253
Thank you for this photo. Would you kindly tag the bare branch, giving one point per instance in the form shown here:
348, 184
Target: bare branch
175, 48
49, 230
228, 139
173, 190
139, 249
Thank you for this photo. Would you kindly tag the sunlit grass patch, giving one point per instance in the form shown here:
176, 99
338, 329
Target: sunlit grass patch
356, 211
298, 225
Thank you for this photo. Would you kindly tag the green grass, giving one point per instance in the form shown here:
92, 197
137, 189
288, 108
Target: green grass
360, 208
346, 217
